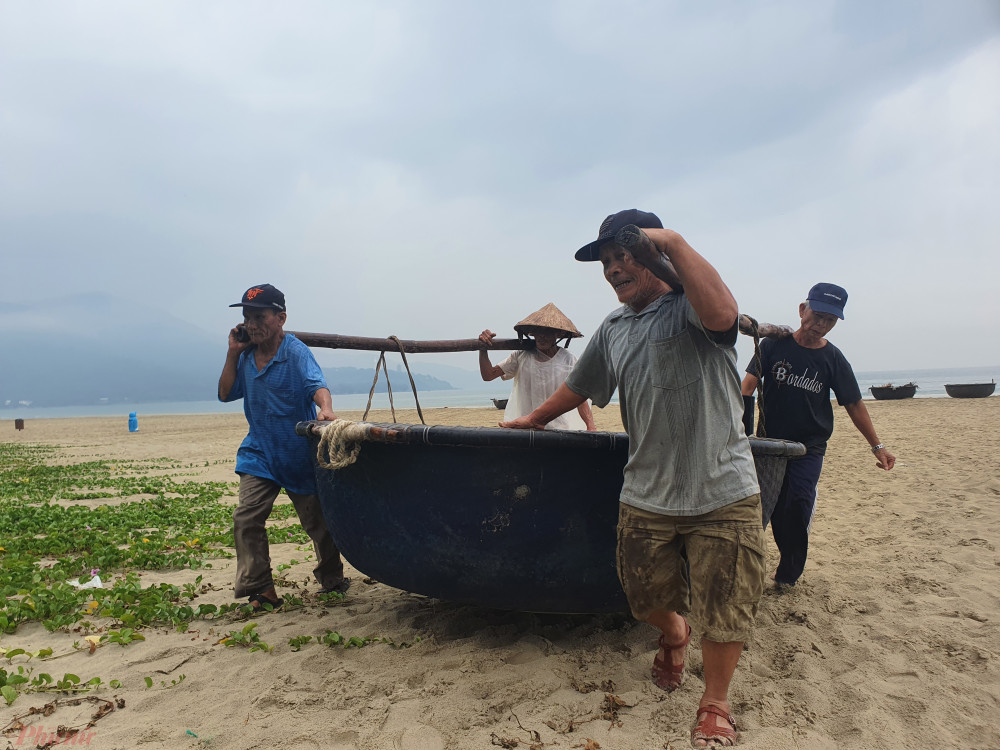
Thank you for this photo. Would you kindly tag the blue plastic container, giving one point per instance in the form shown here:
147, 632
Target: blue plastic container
133, 422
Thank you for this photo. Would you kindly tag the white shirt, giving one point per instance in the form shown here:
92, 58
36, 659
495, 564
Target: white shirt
536, 377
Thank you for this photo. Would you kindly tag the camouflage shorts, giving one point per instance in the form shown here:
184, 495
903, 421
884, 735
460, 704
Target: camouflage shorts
709, 566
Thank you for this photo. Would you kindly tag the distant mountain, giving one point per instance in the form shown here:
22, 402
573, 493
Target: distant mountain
359, 380
87, 348
428, 364
457, 376
95, 348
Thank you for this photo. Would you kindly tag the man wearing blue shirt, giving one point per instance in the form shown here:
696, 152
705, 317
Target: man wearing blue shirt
281, 384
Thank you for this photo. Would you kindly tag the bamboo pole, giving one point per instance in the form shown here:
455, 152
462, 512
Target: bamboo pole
336, 341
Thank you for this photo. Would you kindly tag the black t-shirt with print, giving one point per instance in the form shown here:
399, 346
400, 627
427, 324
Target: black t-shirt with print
797, 385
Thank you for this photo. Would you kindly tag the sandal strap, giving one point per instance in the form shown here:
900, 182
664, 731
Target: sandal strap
710, 709
673, 646
667, 675
718, 733
662, 665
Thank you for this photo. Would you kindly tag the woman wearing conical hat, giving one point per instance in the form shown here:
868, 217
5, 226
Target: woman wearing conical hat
538, 372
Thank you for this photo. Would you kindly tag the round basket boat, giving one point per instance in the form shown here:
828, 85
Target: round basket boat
970, 390
512, 519
890, 392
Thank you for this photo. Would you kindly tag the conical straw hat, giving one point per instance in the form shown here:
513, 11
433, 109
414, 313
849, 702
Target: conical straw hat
549, 316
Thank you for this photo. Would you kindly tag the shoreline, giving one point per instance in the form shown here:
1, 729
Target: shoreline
459, 398
148, 410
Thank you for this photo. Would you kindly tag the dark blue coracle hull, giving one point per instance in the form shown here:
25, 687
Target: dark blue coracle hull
970, 390
508, 519
893, 392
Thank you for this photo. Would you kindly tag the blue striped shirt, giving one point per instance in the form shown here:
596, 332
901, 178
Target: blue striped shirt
275, 399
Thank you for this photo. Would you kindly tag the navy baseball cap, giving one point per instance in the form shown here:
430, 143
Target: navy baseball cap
611, 225
828, 298
262, 295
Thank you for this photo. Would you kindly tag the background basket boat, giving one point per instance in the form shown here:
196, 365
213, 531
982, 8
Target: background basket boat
970, 390
889, 391
511, 519
500, 403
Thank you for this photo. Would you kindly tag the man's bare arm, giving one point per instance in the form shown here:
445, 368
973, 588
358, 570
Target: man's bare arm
663, 251
764, 330
858, 413
324, 401
487, 369
560, 402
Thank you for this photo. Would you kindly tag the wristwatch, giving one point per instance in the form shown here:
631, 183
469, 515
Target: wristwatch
877, 448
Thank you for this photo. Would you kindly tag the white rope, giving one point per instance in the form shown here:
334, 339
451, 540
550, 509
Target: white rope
340, 443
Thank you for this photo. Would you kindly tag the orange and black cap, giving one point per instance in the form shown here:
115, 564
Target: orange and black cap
262, 295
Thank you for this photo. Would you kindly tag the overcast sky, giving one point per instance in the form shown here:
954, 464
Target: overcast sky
427, 169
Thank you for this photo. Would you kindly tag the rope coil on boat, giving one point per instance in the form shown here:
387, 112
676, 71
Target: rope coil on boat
340, 443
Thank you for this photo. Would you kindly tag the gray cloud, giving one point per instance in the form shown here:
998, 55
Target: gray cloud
427, 169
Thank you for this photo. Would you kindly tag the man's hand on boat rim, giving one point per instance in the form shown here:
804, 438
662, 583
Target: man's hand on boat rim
523, 423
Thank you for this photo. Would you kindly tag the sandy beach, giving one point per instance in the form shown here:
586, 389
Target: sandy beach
891, 640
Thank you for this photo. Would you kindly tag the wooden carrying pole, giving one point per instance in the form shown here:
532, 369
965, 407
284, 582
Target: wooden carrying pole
335, 341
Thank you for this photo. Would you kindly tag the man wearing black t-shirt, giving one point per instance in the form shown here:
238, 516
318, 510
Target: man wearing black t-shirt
799, 372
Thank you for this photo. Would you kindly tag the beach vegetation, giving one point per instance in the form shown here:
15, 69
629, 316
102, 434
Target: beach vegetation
123, 637
298, 641
25, 680
163, 683
65, 524
331, 597
248, 638
79, 540
332, 638
9, 654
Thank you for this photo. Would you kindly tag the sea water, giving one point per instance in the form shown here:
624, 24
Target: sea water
454, 398
930, 385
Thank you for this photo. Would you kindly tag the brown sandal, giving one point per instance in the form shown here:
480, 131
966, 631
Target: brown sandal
666, 675
714, 734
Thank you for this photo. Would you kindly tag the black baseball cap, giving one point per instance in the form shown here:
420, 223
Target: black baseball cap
262, 295
611, 225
